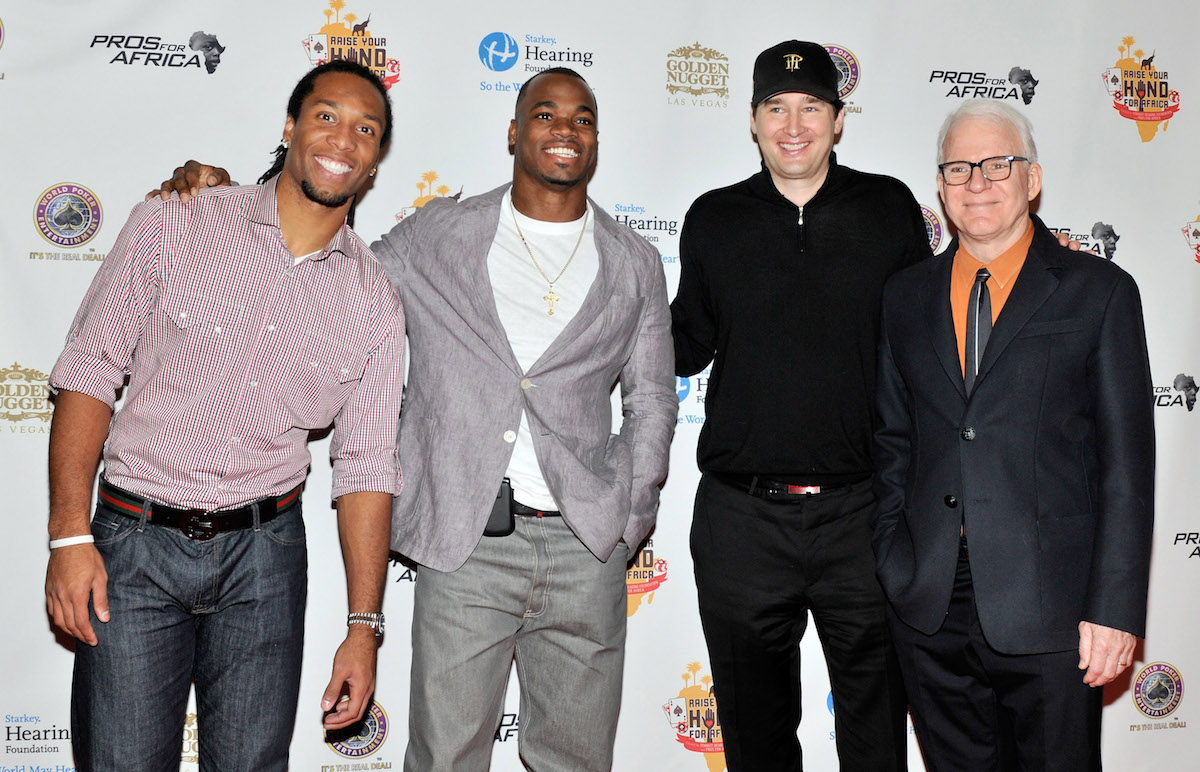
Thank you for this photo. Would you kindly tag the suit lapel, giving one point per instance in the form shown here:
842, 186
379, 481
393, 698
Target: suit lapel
1034, 285
477, 243
598, 294
936, 301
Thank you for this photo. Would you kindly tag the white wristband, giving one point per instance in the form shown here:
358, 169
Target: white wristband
71, 540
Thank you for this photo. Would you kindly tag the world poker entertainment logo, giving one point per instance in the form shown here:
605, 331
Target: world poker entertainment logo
849, 73
369, 738
1016, 83
934, 230
1157, 692
345, 36
644, 577
1140, 91
693, 716
525, 56
200, 51
697, 76
68, 215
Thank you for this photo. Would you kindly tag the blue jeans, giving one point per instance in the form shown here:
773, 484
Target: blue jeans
227, 613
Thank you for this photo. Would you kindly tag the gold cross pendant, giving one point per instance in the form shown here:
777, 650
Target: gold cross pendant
551, 299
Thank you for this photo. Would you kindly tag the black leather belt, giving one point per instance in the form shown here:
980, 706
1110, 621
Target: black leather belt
198, 524
520, 509
764, 488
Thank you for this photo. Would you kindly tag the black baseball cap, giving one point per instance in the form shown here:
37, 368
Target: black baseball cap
795, 65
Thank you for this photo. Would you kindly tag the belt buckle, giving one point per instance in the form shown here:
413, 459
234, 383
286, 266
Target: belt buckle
199, 525
807, 490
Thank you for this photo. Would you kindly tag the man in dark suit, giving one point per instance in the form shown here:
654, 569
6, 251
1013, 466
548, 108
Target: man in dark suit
1015, 469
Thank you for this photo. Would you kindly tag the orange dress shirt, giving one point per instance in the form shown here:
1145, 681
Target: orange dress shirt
1003, 269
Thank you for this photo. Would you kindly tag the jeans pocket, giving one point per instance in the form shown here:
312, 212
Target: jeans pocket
109, 527
287, 529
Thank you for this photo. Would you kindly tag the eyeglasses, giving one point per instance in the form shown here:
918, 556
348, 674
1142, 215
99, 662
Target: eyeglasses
994, 169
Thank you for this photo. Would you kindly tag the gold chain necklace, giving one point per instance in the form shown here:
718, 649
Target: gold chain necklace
549, 297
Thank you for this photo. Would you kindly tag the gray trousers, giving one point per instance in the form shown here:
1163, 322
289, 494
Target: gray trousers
537, 595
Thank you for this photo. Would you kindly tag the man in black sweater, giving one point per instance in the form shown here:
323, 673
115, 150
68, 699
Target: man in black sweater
780, 289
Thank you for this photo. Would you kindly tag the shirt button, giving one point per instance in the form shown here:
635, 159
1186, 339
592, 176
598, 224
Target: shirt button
510, 436
222, 486
234, 440
217, 329
254, 384
526, 383
968, 433
345, 371
313, 363
951, 501
270, 328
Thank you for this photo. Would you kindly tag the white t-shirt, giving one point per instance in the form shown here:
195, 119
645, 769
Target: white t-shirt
520, 292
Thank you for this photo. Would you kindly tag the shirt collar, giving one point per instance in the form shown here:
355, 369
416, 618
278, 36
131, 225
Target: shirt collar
264, 210
1003, 269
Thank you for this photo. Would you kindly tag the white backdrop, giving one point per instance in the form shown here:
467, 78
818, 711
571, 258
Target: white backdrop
98, 102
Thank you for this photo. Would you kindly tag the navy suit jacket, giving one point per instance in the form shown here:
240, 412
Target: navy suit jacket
1048, 464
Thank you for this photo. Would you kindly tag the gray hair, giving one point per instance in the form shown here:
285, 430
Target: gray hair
996, 112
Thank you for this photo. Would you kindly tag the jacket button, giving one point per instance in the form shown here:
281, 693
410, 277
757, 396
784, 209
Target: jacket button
968, 433
510, 436
526, 383
951, 501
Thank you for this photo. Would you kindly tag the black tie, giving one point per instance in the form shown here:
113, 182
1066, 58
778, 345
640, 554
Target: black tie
979, 326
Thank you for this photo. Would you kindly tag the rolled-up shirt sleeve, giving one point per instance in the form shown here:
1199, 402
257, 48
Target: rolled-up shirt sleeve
109, 323
363, 445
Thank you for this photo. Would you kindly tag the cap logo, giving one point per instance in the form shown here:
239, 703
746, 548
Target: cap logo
792, 61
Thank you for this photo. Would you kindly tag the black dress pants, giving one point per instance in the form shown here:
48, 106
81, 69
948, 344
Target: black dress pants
761, 566
978, 710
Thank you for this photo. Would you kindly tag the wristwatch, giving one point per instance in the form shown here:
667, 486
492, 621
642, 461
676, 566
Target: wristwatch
373, 620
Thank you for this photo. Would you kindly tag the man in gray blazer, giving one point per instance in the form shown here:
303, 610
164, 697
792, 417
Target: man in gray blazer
1015, 469
525, 306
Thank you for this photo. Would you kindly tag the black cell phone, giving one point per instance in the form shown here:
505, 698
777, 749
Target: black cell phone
501, 522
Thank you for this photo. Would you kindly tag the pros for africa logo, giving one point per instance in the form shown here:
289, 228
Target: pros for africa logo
345, 37
644, 577
68, 215
694, 718
370, 737
1140, 91
933, 228
1158, 690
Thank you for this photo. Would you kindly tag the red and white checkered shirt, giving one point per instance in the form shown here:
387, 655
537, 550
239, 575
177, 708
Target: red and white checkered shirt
235, 353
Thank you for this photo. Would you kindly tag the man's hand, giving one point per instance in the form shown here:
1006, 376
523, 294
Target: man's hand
1064, 239
73, 575
1104, 652
353, 679
189, 180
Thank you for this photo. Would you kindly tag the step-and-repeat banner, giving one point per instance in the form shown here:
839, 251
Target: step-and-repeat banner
100, 101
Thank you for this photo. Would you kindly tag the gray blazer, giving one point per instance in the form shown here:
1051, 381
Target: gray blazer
465, 389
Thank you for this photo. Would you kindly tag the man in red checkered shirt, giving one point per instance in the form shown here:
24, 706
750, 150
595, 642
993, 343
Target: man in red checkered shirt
237, 324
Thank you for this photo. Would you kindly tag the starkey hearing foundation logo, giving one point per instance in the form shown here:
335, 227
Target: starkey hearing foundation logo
934, 230
67, 214
426, 192
643, 578
1140, 91
693, 716
29, 734
697, 76
200, 50
500, 52
1191, 233
1157, 692
345, 37
691, 393
371, 733
647, 224
849, 73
